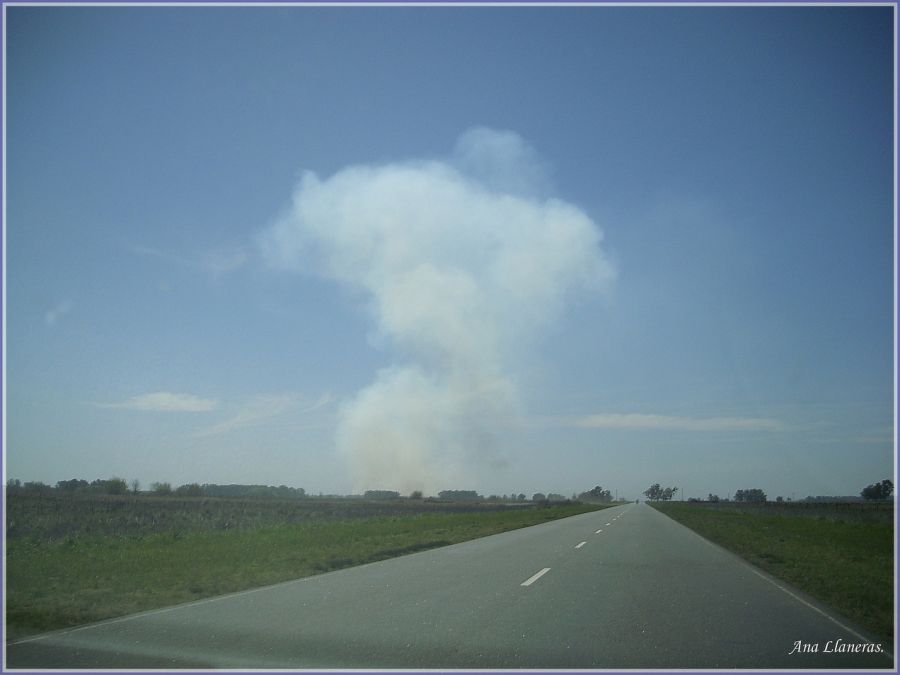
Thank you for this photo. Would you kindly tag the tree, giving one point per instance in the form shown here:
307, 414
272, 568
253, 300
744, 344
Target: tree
712, 498
882, 490
161, 489
189, 490
254, 491
381, 494
538, 497
415, 494
460, 495
596, 494
135, 486
654, 493
754, 495
668, 493
108, 486
115, 486
71, 485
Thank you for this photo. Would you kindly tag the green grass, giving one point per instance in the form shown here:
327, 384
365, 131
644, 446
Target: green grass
846, 564
63, 582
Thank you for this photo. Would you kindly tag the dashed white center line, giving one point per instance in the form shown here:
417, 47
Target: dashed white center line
607, 525
581, 544
532, 579
598, 531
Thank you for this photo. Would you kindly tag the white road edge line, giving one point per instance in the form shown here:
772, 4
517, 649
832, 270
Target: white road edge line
151, 612
532, 579
581, 544
794, 595
812, 607
171, 608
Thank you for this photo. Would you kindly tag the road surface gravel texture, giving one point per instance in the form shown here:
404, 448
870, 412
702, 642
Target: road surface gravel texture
625, 587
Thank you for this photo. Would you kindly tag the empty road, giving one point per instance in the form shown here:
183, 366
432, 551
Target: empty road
625, 587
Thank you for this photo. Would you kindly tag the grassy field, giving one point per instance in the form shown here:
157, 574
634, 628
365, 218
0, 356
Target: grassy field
74, 560
841, 556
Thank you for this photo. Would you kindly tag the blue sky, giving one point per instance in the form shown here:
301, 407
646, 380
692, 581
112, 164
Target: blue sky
506, 249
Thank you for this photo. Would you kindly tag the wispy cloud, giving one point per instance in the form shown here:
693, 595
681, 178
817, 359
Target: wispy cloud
321, 402
163, 401
216, 263
222, 262
265, 407
54, 314
677, 423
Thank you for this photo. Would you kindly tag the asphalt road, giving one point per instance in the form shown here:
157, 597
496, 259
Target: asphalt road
626, 587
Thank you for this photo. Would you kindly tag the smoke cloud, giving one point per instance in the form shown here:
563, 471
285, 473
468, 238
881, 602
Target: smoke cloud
463, 261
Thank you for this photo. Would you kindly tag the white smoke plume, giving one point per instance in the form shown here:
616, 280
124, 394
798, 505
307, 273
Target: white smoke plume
463, 261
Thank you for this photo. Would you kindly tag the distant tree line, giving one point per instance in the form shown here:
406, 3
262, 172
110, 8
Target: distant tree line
832, 499
271, 491
448, 496
118, 486
381, 494
877, 491
459, 496
444, 495
109, 486
552, 497
508, 498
